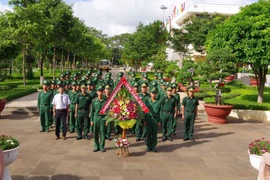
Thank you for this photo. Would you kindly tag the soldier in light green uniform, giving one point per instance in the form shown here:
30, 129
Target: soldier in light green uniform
106, 95
152, 120
119, 76
72, 96
168, 113
98, 120
140, 129
83, 101
178, 104
44, 106
189, 113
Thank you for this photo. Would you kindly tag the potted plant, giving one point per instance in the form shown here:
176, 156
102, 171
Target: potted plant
10, 147
255, 150
171, 71
217, 67
2, 105
253, 81
187, 73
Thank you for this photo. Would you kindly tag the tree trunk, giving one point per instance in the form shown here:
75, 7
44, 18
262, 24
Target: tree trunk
54, 61
74, 62
41, 65
23, 66
10, 67
62, 61
68, 61
261, 78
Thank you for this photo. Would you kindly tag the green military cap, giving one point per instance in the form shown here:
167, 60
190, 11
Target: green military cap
120, 74
108, 87
153, 90
107, 76
156, 74
169, 88
191, 88
100, 88
88, 82
53, 82
83, 85
144, 84
79, 73
62, 75
167, 84
74, 75
132, 74
89, 71
67, 82
109, 73
153, 83
135, 84
73, 83
145, 75
68, 73
59, 82
96, 75
46, 82
174, 85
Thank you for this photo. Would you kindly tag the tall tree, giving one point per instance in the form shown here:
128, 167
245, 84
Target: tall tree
246, 35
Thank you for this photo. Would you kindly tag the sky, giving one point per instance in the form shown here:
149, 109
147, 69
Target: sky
115, 17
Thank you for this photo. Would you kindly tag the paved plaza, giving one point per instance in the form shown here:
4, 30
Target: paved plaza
219, 152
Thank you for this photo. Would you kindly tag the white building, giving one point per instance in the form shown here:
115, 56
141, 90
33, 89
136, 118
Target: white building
187, 8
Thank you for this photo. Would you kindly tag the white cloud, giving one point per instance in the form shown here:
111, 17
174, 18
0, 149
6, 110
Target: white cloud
4, 7
120, 16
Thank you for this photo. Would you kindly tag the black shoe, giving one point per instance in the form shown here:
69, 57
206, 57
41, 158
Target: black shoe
42, 131
190, 138
148, 150
103, 150
138, 139
95, 150
79, 138
185, 139
170, 139
71, 131
109, 139
144, 139
47, 131
174, 133
86, 138
154, 150
164, 139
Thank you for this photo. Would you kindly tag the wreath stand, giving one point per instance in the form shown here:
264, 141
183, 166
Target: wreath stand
123, 152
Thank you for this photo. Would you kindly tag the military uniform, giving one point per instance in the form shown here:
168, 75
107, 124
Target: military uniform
110, 124
178, 104
83, 102
133, 129
99, 122
140, 129
44, 106
72, 120
152, 119
168, 107
189, 109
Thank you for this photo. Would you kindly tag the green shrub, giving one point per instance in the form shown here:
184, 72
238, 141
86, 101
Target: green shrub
7, 87
8, 142
236, 83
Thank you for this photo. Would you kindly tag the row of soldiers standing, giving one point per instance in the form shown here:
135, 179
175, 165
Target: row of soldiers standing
86, 90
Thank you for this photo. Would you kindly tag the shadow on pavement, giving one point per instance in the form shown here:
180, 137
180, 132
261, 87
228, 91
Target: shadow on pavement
54, 177
232, 120
17, 116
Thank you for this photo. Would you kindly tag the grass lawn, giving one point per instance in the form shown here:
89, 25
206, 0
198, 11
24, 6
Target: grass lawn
18, 89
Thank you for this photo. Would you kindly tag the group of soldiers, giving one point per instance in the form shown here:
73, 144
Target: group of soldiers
89, 92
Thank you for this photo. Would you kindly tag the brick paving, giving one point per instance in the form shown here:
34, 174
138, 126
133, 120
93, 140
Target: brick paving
218, 153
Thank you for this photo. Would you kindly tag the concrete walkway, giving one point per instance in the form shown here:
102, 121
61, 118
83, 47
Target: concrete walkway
218, 153
26, 101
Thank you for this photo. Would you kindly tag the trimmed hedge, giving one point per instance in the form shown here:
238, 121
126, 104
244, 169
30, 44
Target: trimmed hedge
17, 93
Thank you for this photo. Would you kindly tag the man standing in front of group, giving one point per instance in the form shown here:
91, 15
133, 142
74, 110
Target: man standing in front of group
44, 106
60, 104
168, 113
189, 113
152, 120
82, 111
98, 120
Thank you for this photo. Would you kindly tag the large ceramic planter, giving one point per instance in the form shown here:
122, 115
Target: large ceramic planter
167, 79
253, 82
255, 160
217, 113
2, 105
9, 157
229, 78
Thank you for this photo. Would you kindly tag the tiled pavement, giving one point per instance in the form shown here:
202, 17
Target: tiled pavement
219, 152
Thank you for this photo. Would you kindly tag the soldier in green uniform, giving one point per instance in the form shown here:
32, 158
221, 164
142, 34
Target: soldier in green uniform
106, 95
152, 120
189, 113
44, 106
72, 96
178, 104
93, 94
140, 129
135, 86
119, 76
98, 120
83, 101
168, 113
